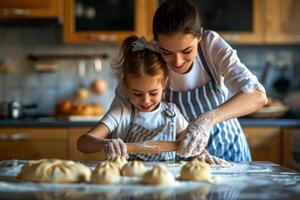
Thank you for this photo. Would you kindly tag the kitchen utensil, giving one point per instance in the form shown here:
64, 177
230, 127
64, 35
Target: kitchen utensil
82, 92
98, 85
14, 109
153, 147
282, 84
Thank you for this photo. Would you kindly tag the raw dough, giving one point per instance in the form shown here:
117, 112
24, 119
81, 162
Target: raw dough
109, 165
158, 175
105, 175
119, 161
195, 171
134, 168
55, 171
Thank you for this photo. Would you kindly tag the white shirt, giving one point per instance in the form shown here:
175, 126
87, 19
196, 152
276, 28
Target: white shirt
118, 117
228, 71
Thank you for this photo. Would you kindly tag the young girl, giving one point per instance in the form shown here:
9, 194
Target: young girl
207, 82
138, 114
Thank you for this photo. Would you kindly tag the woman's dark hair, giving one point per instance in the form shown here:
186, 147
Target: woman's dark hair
140, 62
176, 16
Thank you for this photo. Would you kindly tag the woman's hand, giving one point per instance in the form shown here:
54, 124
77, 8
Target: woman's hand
196, 135
206, 157
114, 147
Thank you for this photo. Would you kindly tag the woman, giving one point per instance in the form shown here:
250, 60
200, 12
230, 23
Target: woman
207, 81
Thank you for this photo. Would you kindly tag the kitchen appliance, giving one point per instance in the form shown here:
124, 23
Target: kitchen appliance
14, 109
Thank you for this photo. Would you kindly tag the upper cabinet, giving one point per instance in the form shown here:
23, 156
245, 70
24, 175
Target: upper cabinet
282, 21
97, 21
30, 9
252, 21
237, 21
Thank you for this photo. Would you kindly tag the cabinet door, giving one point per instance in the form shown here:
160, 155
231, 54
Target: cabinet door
74, 134
106, 21
283, 21
264, 144
239, 22
30, 9
33, 143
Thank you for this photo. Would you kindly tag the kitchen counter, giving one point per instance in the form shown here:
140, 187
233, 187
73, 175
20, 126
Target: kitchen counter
53, 122
255, 180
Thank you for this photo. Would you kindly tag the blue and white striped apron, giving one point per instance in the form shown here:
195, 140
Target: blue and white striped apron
138, 133
227, 139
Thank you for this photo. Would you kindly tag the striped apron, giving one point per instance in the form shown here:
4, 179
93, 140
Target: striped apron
227, 140
138, 134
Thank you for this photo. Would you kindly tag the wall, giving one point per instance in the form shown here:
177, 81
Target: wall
28, 86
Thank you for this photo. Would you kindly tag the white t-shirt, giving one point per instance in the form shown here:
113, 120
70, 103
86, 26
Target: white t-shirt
118, 117
228, 71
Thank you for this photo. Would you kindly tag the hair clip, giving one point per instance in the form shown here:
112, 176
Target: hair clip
141, 44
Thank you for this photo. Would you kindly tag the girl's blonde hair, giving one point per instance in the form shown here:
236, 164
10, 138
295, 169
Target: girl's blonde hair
136, 63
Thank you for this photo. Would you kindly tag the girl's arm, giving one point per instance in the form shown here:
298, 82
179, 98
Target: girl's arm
92, 141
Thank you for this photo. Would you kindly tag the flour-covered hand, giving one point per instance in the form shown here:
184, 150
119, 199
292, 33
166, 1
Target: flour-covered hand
196, 135
114, 147
205, 156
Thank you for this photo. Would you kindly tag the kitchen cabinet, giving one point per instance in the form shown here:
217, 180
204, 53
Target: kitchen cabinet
33, 143
265, 143
30, 9
238, 22
252, 21
106, 21
74, 134
282, 21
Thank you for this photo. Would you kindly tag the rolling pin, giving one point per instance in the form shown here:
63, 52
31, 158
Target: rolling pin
153, 147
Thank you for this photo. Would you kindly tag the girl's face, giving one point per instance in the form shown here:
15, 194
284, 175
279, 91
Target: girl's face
145, 92
178, 51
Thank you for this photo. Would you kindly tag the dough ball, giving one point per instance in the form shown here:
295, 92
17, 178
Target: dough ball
158, 175
55, 171
119, 161
105, 175
134, 168
109, 165
195, 171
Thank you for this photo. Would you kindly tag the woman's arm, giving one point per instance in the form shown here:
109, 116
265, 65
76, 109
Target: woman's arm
239, 105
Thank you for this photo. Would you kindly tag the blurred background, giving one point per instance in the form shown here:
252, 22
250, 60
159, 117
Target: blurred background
56, 55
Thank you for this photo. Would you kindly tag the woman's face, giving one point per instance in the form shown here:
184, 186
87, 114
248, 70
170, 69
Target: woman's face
145, 92
178, 51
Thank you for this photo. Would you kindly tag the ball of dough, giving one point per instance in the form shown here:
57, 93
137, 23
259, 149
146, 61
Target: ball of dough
158, 175
105, 175
109, 165
119, 161
134, 168
195, 171
55, 171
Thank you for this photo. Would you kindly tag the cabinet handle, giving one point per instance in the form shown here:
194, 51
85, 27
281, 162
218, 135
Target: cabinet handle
231, 37
17, 11
104, 37
20, 136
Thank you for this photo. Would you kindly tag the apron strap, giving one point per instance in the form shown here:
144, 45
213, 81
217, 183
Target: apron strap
205, 65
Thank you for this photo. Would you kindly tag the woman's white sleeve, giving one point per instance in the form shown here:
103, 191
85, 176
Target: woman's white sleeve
181, 122
237, 77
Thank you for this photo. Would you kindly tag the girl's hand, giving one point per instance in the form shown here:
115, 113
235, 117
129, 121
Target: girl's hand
206, 157
196, 135
115, 147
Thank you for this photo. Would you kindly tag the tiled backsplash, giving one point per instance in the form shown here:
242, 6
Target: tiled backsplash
28, 86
